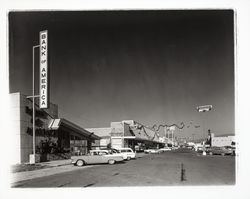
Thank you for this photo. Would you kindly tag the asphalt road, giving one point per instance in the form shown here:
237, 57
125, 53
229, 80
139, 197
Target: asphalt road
165, 169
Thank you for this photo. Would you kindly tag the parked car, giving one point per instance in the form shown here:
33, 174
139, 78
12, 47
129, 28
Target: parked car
231, 148
115, 151
165, 149
219, 151
152, 151
128, 151
139, 148
96, 157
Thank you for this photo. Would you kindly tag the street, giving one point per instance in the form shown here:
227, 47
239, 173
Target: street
165, 169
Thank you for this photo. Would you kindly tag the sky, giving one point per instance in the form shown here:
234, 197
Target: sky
154, 67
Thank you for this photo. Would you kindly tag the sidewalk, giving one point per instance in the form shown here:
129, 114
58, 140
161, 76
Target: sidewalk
56, 163
54, 167
58, 166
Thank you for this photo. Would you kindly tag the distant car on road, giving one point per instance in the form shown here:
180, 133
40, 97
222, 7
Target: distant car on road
231, 148
139, 149
96, 157
219, 151
152, 151
128, 151
165, 149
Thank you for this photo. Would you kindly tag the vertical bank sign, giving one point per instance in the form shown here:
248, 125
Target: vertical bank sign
44, 69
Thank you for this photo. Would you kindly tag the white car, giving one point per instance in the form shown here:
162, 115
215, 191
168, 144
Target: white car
152, 151
165, 149
111, 151
96, 157
115, 151
128, 151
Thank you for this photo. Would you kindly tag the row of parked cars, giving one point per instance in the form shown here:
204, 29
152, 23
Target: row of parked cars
99, 156
215, 150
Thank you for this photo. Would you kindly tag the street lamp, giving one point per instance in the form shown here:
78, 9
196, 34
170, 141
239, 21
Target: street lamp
32, 157
203, 109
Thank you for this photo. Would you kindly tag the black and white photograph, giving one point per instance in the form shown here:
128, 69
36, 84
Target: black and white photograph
124, 98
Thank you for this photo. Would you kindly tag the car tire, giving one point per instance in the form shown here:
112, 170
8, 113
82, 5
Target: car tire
128, 158
80, 163
111, 161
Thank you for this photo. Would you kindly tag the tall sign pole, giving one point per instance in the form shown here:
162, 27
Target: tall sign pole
172, 129
32, 158
168, 135
203, 109
165, 131
43, 86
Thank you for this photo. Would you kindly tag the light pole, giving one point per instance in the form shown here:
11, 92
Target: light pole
166, 134
203, 109
43, 84
33, 156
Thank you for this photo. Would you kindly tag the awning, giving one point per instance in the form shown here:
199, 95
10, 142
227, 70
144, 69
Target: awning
55, 124
140, 135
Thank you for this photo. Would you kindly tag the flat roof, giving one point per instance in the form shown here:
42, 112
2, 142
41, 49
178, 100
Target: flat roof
101, 132
55, 124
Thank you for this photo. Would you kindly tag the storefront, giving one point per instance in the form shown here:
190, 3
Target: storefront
76, 139
128, 133
55, 138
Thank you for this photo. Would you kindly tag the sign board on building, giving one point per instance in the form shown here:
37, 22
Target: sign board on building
172, 128
43, 70
116, 143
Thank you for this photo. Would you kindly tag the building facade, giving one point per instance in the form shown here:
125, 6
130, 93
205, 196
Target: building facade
127, 133
222, 140
55, 137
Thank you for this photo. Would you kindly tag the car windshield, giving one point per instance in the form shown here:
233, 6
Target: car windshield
127, 150
115, 151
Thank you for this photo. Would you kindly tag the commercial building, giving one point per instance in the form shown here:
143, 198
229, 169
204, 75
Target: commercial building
222, 140
127, 133
56, 138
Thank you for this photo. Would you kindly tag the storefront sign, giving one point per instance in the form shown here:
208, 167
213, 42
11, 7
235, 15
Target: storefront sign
44, 69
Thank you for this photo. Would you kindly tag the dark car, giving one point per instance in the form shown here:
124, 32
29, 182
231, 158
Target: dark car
220, 151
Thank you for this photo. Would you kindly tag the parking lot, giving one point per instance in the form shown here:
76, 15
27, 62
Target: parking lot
165, 169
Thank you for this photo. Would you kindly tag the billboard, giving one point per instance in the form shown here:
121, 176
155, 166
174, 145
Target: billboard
43, 87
